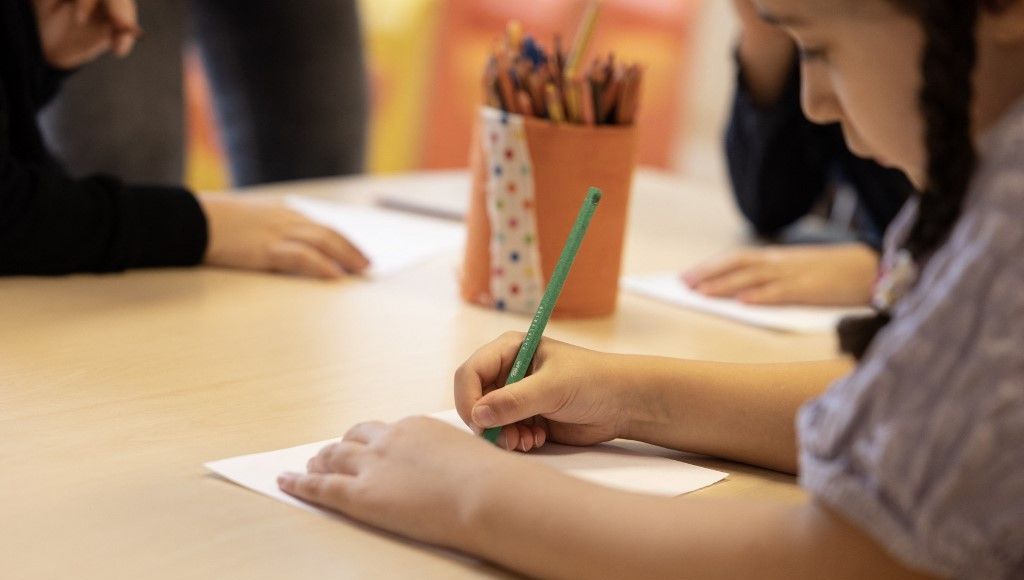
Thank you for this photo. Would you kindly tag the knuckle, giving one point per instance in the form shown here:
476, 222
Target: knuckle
336, 456
323, 234
403, 426
461, 373
286, 260
512, 401
511, 336
402, 429
391, 433
361, 426
314, 486
738, 258
358, 492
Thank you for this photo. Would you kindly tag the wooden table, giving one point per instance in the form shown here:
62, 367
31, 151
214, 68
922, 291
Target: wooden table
115, 389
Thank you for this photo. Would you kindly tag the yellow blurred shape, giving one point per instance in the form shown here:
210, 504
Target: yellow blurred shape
400, 39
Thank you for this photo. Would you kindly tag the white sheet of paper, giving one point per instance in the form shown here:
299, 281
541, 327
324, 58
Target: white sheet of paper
391, 240
669, 288
618, 465
437, 200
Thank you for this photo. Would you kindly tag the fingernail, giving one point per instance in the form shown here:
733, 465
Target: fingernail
285, 480
484, 416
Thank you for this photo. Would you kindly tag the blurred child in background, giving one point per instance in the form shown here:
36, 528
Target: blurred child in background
52, 223
782, 165
288, 83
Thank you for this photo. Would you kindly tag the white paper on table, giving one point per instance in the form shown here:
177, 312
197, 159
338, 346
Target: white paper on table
436, 200
618, 465
669, 288
391, 240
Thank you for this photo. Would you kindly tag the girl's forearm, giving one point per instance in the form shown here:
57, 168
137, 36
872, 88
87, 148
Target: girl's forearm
742, 412
549, 525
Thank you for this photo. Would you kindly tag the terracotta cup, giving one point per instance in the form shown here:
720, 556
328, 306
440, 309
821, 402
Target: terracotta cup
529, 179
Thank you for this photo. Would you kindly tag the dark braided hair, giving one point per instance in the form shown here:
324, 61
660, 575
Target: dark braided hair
945, 100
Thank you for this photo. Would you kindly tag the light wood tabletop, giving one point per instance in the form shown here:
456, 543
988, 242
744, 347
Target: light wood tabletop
115, 389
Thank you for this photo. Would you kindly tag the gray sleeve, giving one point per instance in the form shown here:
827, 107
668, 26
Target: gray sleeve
922, 447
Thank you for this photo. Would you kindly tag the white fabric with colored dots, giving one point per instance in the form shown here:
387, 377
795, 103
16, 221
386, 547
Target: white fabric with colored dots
517, 281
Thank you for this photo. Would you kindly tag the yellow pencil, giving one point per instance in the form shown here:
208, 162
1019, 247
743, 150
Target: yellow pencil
554, 103
572, 101
582, 39
514, 34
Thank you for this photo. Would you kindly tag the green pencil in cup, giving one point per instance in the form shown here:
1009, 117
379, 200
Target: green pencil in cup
550, 297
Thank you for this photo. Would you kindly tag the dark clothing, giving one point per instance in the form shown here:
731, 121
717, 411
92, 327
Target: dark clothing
781, 164
53, 224
287, 80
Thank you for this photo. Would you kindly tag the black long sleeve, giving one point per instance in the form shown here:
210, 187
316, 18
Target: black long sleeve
53, 224
780, 164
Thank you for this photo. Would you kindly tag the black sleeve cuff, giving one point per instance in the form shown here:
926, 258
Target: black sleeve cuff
46, 80
165, 226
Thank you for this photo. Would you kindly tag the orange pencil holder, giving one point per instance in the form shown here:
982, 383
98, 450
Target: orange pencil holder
529, 178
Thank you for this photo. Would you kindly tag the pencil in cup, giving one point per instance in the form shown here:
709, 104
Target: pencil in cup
526, 172
521, 73
551, 293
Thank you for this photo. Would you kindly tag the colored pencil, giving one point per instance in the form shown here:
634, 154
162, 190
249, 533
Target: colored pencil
550, 297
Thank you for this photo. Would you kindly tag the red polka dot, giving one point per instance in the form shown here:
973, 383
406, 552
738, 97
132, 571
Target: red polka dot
494, 137
509, 154
514, 289
512, 187
513, 222
527, 204
498, 272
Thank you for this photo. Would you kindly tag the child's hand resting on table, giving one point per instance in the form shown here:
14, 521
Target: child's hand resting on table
419, 477
266, 235
840, 275
430, 481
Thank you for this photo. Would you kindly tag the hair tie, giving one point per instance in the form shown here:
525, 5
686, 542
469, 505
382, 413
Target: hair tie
896, 277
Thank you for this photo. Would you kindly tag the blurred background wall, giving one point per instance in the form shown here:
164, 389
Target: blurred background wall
426, 59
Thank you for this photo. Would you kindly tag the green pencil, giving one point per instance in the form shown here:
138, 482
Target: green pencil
547, 302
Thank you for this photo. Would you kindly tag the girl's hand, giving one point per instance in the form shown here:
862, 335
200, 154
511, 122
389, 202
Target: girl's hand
819, 275
266, 235
572, 395
74, 32
419, 477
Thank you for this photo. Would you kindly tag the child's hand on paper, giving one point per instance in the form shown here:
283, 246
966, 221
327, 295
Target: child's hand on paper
74, 32
420, 477
839, 275
570, 396
265, 235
